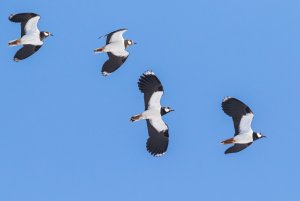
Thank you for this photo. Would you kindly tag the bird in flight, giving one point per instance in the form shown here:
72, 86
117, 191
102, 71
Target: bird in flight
242, 117
116, 50
158, 130
31, 38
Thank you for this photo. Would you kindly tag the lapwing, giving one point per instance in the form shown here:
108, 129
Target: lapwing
31, 38
116, 50
242, 117
158, 130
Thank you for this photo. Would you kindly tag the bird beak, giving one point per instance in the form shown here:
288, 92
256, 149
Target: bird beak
134, 43
51, 34
263, 136
172, 110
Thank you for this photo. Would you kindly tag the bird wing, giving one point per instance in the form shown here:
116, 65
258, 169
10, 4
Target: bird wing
119, 53
26, 51
23, 18
113, 63
241, 114
31, 25
236, 148
245, 123
115, 36
158, 140
152, 88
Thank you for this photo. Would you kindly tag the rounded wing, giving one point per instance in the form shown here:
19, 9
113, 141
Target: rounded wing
26, 51
241, 114
237, 147
28, 21
152, 88
158, 141
31, 26
113, 63
115, 36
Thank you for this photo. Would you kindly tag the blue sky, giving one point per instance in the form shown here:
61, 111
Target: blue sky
65, 132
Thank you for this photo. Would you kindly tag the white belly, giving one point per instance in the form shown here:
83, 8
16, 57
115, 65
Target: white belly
114, 47
150, 114
32, 39
243, 138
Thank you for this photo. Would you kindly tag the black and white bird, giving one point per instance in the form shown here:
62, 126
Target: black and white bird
158, 130
242, 117
116, 50
31, 38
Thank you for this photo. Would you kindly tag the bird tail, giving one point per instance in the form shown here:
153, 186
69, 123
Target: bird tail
136, 118
99, 49
228, 141
14, 42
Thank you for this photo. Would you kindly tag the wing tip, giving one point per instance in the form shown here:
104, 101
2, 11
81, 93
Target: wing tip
157, 145
105, 74
229, 150
11, 16
122, 29
16, 59
155, 153
159, 155
149, 72
226, 98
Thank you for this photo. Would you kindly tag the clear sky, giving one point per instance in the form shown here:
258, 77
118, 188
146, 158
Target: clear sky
65, 133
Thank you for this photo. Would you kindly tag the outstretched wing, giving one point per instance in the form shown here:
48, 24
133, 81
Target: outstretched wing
26, 51
115, 36
152, 88
236, 148
157, 143
113, 63
28, 22
241, 114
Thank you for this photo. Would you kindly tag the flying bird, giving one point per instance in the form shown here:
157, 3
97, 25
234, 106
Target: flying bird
116, 50
242, 117
158, 130
31, 38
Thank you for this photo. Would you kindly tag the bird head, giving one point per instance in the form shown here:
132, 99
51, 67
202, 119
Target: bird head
165, 110
129, 42
257, 136
45, 34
